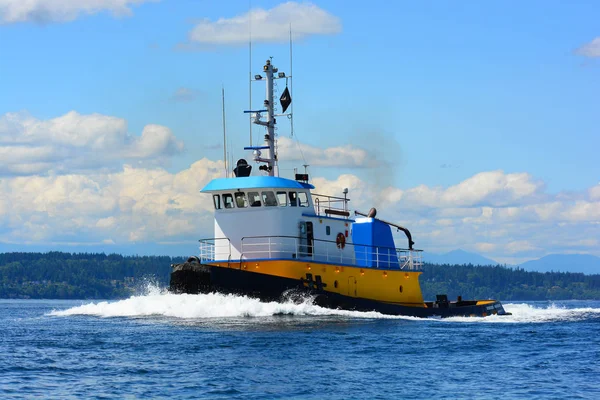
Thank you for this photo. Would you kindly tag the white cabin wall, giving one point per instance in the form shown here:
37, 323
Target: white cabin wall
238, 223
329, 249
280, 228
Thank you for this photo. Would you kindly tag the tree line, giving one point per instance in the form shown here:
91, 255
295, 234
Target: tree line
506, 284
57, 275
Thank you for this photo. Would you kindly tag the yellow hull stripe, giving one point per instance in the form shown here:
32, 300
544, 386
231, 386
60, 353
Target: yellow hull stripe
392, 286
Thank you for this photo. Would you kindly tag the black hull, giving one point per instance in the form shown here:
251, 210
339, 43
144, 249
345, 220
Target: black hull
194, 278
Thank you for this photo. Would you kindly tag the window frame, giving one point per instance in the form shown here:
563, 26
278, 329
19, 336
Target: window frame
225, 202
217, 201
243, 196
295, 195
265, 198
285, 198
301, 203
253, 203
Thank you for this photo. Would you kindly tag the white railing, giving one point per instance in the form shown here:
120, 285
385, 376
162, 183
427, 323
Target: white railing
209, 248
326, 205
289, 247
410, 259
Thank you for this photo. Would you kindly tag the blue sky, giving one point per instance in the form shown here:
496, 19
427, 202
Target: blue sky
443, 92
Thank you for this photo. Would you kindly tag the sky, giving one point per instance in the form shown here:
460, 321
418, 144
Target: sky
474, 124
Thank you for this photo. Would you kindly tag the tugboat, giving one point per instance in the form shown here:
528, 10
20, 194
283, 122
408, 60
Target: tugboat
274, 239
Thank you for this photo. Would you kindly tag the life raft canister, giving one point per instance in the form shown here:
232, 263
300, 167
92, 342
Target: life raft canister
340, 240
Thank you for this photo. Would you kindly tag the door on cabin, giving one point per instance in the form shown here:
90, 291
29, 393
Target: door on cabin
309, 239
306, 239
352, 286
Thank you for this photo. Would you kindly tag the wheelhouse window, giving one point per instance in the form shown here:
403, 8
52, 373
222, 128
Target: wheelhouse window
240, 200
282, 199
217, 201
269, 199
228, 200
254, 199
293, 199
303, 197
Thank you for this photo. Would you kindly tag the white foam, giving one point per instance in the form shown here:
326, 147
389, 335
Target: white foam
527, 313
157, 302
213, 305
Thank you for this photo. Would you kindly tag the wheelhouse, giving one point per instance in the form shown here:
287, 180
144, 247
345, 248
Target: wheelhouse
259, 218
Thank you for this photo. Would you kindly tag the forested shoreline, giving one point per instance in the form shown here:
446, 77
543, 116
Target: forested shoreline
57, 275
507, 284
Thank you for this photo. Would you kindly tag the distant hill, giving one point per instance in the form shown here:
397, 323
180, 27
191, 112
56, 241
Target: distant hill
458, 257
56, 275
586, 263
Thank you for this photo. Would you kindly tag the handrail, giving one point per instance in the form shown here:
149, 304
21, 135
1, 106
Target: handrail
326, 241
229, 240
294, 247
208, 249
330, 197
330, 204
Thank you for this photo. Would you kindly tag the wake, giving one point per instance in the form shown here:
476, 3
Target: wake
157, 302
527, 313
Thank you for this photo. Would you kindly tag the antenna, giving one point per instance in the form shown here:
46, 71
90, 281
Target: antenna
291, 87
224, 134
250, 65
230, 155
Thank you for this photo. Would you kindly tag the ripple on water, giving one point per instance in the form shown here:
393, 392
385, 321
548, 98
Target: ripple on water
164, 345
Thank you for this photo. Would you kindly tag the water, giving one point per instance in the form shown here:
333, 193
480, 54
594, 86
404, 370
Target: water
160, 345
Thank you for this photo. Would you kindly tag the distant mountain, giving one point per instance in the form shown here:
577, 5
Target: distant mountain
183, 249
458, 257
586, 263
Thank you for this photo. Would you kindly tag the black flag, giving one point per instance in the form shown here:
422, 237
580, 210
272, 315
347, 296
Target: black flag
285, 100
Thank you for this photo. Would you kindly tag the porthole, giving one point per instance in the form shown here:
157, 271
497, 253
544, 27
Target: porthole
400, 288
335, 284
328, 230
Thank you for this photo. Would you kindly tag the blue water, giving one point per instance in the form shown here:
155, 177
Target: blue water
160, 345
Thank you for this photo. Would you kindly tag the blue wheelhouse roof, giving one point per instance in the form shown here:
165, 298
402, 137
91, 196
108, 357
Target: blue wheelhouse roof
254, 182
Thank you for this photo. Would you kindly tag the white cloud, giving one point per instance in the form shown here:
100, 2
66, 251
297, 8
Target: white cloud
520, 246
494, 188
45, 11
184, 95
485, 247
594, 192
267, 25
547, 211
135, 204
587, 243
591, 49
491, 188
582, 211
507, 217
340, 156
76, 142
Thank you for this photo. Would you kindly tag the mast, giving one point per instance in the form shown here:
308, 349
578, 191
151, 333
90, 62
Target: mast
291, 116
224, 134
270, 136
271, 158
250, 66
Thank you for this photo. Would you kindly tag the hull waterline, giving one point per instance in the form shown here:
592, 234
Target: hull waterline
194, 278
